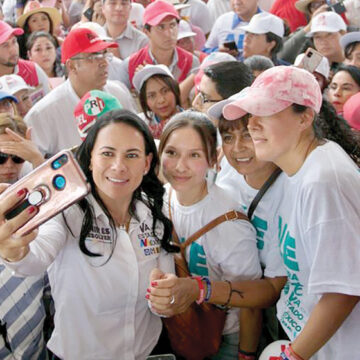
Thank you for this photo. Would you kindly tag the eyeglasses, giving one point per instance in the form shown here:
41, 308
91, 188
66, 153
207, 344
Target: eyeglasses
5, 157
204, 99
96, 56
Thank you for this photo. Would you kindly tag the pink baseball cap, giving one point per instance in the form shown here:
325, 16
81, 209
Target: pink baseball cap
82, 40
6, 31
274, 90
157, 11
352, 111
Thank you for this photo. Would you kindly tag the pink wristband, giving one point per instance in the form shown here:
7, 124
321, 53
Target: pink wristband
291, 354
201, 297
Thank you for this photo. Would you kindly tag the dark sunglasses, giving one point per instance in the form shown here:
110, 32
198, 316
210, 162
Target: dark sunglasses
4, 158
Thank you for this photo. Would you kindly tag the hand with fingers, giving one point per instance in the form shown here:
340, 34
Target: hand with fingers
13, 247
170, 295
22, 147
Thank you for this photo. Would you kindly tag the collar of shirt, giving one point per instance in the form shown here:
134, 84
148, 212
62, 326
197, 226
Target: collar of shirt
173, 63
238, 20
127, 33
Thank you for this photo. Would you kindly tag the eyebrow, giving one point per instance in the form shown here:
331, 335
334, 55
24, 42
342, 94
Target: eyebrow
114, 149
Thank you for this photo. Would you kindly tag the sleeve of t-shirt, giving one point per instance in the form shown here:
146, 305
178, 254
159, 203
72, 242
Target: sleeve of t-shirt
43, 79
212, 43
331, 220
122, 72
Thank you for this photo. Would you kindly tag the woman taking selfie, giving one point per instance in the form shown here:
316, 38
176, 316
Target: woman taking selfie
226, 252
102, 250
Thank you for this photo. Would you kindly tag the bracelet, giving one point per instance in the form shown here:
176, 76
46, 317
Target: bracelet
290, 354
246, 355
201, 289
208, 288
230, 293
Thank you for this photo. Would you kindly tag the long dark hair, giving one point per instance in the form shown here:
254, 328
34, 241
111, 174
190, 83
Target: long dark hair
150, 191
172, 84
329, 125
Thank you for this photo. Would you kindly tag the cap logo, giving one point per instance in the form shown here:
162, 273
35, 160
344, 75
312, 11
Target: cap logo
322, 20
94, 106
92, 38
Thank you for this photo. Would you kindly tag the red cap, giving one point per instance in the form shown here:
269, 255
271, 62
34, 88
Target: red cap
157, 11
6, 31
352, 111
83, 40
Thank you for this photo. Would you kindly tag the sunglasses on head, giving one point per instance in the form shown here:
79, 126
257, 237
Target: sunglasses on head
4, 158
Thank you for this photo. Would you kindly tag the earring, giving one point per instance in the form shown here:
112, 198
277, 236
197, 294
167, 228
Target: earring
145, 172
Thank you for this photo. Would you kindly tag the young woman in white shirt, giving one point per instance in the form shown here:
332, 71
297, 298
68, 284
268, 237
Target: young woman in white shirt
318, 218
99, 253
228, 251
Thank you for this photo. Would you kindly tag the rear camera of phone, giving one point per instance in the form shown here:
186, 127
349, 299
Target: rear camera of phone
59, 162
59, 182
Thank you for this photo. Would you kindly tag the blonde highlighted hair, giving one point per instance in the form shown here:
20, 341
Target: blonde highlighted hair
13, 122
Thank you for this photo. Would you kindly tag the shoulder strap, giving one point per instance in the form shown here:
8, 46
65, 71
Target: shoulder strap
262, 191
229, 216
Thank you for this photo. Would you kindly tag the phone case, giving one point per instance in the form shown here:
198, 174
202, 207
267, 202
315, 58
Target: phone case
52, 187
311, 60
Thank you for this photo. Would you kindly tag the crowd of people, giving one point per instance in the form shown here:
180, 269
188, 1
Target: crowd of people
180, 113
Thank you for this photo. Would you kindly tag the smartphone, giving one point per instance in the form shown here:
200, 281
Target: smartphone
231, 45
88, 13
311, 60
338, 7
161, 357
52, 187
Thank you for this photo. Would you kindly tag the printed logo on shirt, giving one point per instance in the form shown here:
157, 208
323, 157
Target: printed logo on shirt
197, 259
293, 318
100, 234
261, 226
149, 243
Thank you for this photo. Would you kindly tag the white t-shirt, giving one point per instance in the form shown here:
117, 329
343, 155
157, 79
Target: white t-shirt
319, 234
227, 252
100, 307
217, 8
52, 120
199, 15
264, 216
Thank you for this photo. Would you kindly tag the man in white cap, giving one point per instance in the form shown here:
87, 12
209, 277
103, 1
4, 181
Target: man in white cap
118, 27
228, 27
326, 31
16, 86
86, 58
263, 36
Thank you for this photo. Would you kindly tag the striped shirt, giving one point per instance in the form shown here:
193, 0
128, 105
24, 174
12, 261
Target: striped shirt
22, 315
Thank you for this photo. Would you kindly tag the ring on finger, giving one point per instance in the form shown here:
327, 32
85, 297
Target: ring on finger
172, 300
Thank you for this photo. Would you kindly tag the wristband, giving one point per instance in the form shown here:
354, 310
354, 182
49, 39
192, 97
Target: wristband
244, 355
201, 297
208, 288
290, 354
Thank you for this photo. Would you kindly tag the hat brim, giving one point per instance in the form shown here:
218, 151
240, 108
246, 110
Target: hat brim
349, 38
215, 111
185, 35
8, 96
322, 29
97, 46
302, 5
53, 13
158, 19
143, 75
254, 103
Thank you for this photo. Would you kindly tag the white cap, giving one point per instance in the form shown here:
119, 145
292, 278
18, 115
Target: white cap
178, 5
263, 23
185, 30
215, 110
13, 83
95, 27
147, 72
323, 68
349, 38
328, 21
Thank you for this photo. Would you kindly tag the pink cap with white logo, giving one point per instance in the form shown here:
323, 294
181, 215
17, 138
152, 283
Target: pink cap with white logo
274, 90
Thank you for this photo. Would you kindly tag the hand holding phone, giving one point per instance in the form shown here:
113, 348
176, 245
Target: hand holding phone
311, 60
231, 45
51, 187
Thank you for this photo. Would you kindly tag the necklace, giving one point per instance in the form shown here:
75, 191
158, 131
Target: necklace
125, 226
